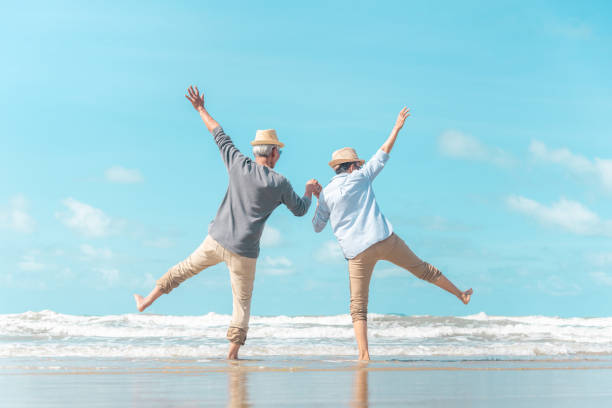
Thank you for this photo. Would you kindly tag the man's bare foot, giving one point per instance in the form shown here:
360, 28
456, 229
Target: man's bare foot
140, 302
232, 354
466, 296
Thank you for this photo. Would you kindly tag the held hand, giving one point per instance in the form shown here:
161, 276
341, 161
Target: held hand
195, 98
401, 118
311, 186
317, 190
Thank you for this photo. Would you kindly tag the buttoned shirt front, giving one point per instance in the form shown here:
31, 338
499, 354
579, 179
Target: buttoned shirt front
349, 204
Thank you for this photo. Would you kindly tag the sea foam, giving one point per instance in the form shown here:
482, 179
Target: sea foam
51, 334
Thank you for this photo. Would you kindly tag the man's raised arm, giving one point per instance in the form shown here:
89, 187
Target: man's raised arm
229, 152
399, 122
197, 101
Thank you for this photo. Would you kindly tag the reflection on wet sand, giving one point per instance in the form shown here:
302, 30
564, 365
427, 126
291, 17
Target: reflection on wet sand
238, 392
360, 388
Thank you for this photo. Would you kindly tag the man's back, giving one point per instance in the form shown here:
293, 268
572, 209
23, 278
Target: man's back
254, 191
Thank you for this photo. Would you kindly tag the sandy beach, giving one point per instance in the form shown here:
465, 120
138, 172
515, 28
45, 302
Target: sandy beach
306, 382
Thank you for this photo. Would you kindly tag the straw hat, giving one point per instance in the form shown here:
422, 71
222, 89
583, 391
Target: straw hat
266, 137
344, 155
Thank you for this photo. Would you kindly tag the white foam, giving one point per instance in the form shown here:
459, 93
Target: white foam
48, 333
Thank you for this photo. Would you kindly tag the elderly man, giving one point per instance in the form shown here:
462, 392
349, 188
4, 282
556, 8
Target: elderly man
363, 232
254, 191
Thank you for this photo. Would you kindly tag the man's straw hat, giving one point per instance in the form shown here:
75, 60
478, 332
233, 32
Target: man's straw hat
266, 137
344, 155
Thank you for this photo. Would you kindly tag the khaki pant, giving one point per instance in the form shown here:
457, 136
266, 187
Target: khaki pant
242, 274
392, 249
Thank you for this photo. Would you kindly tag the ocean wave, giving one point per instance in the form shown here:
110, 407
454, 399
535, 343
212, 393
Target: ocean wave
48, 333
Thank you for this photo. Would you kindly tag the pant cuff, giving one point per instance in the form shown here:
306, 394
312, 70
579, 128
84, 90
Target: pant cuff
236, 335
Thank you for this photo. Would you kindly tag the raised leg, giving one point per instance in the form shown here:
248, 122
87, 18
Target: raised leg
448, 286
207, 254
400, 254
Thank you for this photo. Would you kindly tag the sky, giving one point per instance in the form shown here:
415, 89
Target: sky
502, 176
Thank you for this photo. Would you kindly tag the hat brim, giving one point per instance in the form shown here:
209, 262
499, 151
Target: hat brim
336, 162
267, 142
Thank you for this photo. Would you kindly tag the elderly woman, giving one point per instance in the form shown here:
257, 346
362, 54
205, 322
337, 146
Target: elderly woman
363, 232
254, 191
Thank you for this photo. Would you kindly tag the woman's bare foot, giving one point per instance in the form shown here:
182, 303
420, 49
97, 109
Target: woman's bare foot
466, 296
140, 302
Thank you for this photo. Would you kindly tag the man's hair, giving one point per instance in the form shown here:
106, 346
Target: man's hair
263, 150
343, 168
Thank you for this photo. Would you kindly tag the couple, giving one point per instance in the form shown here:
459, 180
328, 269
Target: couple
255, 190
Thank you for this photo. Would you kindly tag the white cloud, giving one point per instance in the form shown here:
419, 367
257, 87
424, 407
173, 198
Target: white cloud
391, 272
601, 259
573, 29
569, 215
556, 286
330, 252
278, 261
456, 144
270, 237
29, 263
277, 266
160, 243
16, 216
577, 164
110, 276
149, 281
100, 253
87, 220
602, 278
118, 174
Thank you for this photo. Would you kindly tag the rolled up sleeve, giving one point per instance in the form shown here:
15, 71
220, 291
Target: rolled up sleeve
375, 164
321, 216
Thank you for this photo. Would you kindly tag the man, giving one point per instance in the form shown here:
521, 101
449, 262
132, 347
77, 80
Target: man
363, 232
254, 191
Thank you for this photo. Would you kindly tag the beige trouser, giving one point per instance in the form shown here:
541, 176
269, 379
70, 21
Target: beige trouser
242, 274
392, 249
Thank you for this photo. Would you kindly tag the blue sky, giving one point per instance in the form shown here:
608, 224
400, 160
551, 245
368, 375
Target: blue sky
502, 176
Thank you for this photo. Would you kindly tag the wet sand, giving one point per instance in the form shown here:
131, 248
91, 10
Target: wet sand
305, 382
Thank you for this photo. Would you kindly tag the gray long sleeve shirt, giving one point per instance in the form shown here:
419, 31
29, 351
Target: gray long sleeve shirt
254, 191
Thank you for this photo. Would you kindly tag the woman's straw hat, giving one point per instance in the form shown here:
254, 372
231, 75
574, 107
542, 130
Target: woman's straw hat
266, 137
344, 155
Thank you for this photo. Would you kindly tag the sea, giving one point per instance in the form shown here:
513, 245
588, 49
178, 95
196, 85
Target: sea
47, 334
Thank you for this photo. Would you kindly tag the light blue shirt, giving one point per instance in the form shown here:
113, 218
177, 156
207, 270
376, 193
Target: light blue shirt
349, 204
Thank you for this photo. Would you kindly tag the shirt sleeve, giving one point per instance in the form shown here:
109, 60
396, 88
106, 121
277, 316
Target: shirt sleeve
229, 152
375, 164
296, 204
321, 216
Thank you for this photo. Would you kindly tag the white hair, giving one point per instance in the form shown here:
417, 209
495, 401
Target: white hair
264, 150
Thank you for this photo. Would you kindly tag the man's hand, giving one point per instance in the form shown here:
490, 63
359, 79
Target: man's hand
195, 98
399, 123
197, 101
401, 118
312, 186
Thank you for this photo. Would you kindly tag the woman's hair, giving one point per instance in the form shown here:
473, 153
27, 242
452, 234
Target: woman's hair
263, 150
343, 168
